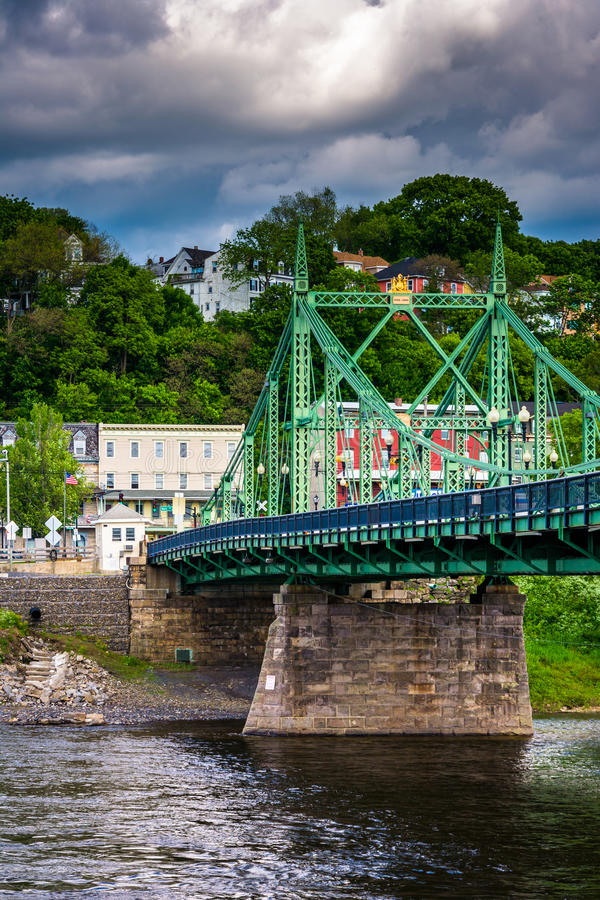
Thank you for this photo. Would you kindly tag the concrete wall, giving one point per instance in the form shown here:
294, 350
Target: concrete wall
405, 668
95, 605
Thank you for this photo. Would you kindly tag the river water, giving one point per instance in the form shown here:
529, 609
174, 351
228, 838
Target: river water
196, 810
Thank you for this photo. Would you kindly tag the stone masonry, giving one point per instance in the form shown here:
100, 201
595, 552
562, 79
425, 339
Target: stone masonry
338, 667
95, 605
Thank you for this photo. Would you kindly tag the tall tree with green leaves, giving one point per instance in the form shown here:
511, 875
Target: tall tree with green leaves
38, 462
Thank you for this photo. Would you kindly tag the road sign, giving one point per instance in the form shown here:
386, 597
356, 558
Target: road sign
53, 538
12, 529
53, 523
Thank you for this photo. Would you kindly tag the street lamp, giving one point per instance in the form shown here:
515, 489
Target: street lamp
4, 459
527, 459
317, 462
493, 418
343, 485
553, 458
316, 501
388, 446
260, 471
340, 459
524, 418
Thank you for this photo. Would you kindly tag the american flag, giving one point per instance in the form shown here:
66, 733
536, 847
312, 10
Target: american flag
70, 479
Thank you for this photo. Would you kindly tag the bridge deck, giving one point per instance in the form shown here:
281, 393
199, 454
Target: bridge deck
547, 527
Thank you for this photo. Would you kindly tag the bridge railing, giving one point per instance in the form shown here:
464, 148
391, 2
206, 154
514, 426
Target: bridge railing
513, 501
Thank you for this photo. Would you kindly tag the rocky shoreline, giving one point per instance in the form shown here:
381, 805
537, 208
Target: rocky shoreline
40, 686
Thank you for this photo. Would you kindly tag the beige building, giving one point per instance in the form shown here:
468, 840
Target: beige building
164, 472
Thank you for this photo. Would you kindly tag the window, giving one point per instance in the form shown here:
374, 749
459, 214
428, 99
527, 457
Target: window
483, 456
135, 480
130, 534
518, 454
388, 285
79, 446
116, 534
214, 266
409, 284
444, 434
425, 283
110, 449
182, 481
134, 449
183, 449
159, 481
207, 307
159, 449
8, 439
110, 479
218, 306
139, 507
207, 449
453, 288
210, 289
230, 449
208, 482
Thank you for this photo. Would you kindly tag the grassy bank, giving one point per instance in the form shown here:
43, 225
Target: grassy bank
562, 677
562, 639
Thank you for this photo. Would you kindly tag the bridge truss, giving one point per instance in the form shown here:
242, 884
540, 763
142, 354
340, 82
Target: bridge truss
289, 459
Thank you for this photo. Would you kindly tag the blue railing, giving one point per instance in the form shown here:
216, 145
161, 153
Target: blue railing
533, 499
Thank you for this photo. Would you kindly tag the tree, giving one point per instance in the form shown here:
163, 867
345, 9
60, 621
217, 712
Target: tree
450, 215
317, 212
124, 304
38, 462
574, 302
33, 254
570, 425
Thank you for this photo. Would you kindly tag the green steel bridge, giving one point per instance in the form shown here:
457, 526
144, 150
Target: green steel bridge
274, 515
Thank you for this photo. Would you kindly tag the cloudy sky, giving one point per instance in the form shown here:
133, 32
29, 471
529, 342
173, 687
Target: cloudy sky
170, 122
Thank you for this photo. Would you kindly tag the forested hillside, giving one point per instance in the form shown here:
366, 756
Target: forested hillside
124, 349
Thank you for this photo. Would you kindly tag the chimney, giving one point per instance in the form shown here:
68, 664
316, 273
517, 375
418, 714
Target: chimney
195, 246
161, 259
360, 251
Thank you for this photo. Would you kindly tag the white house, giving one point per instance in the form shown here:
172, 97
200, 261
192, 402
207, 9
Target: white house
119, 532
197, 272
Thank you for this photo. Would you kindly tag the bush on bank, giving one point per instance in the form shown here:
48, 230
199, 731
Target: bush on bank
562, 639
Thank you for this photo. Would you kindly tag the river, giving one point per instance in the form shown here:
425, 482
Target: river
196, 810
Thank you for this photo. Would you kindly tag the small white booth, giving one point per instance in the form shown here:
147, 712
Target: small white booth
119, 532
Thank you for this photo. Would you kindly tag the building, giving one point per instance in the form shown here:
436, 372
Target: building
164, 472
358, 262
417, 281
119, 533
198, 273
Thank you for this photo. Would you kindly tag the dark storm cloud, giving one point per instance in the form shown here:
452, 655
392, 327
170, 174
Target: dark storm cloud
76, 26
240, 101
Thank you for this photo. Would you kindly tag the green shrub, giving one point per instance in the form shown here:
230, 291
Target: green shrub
10, 619
566, 608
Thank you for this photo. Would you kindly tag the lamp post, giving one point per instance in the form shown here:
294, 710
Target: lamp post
343, 486
527, 459
493, 418
4, 459
340, 459
316, 501
388, 446
317, 462
285, 471
524, 418
553, 458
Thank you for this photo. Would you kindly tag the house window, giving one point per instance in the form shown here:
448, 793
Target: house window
518, 454
183, 449
207, 449
182, 481
210, 289
231, 445
79, 446
218, 306
130, 534
483, 456
159, 481
207, 307
444, 434
110, 479
425, 283
409, 284
139, 507
116, 534
453, 287
110, 448
159, 449
214, 266
135, 481
8, 439
388, 285
134, 449
208, 482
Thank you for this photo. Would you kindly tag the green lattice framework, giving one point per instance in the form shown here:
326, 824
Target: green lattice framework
297, 432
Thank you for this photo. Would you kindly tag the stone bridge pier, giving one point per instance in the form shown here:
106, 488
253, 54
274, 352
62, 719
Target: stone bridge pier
338, 666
